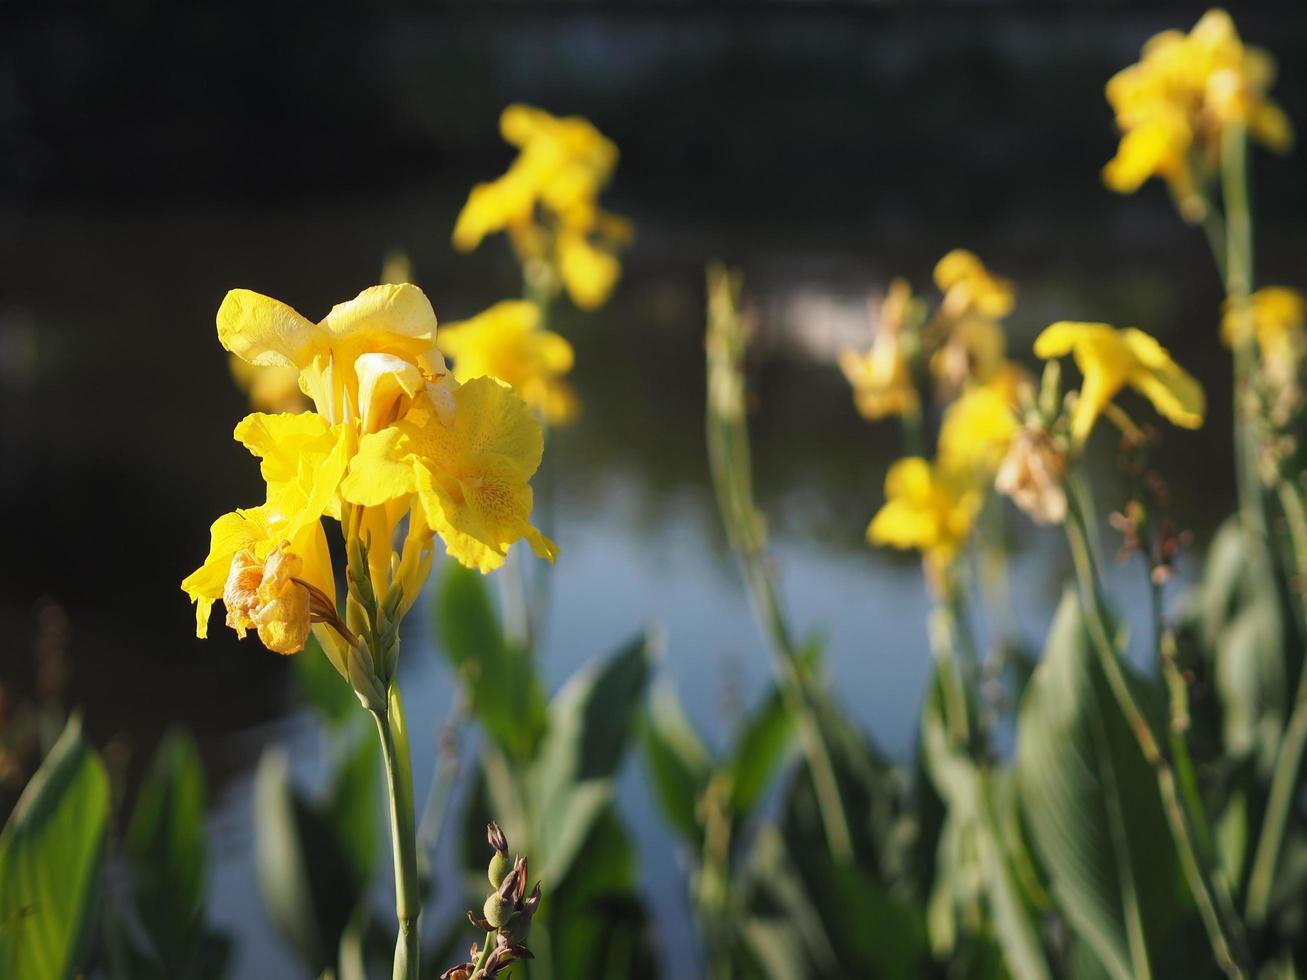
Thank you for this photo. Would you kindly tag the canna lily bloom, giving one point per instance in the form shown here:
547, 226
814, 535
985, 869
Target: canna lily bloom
507, 342
366, 359
882, 376
977, 430
928, 507
1173, 105
547, 204
969, 287
469, 474
1278, 316
1110, 359
258, 559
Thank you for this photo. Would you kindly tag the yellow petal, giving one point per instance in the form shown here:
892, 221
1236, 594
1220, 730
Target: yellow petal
387, 387
908, 478
589, 273
381, 470
387, 311
1174, 392
1060, 338
265, 331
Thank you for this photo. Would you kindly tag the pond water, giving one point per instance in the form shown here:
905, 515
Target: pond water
116, 405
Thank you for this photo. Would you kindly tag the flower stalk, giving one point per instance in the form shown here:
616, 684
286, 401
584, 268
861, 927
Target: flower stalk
1224, 930
392, 730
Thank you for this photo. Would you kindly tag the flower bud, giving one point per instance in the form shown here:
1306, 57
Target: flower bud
497, 909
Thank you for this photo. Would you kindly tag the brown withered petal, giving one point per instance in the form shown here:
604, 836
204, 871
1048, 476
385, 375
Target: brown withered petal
532, 903
461, 972
478, 922
496, 838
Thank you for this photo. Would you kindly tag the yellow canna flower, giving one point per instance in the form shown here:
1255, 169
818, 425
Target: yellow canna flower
882, 376
241, 544
977, 430
969, 287
382, 342
1110, 359
470, 474
547, 204
507, 342
929, 508
1278, 316
1173, 105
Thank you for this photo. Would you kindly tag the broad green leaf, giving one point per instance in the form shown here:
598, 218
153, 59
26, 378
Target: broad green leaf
679, 766
500, 679
590, 721
763, 745
1092, 806
306, 879
51, 857
1251, 682
165, 845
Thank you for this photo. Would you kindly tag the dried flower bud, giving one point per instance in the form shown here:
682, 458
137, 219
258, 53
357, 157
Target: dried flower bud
1031, 474
461, 972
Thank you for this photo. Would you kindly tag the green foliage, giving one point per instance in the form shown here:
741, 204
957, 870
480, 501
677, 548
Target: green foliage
307, 876
504, 691
165, 848
51, 855
1093, 808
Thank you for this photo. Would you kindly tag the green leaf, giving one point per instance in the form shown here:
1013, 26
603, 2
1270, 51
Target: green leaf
763, 745
679, 766
1092, 806
51, 857
590, 721
500, 679
306, 879
165, 845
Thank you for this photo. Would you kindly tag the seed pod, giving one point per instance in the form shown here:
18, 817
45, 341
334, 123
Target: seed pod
498, 909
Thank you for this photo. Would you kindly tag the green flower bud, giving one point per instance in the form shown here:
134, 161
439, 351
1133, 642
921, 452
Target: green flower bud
497, 909
500, 865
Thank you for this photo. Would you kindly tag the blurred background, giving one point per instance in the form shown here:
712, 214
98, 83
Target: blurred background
154, 155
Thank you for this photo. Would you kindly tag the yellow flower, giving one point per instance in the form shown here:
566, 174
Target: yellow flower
1172, 106
547, 203
507, 342
882, 376
929, 508
1110, 359
381, 343
1279, 317
969, 287
270, 389
470, 473
241, 545
977, 430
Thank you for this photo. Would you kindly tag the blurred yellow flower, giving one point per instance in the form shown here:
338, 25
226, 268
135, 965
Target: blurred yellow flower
269, 389
469, 474
977, 430
1110, 359
969, 287
882, 376
1278, 316
547, 203
1172, 106
507, 342
928, 507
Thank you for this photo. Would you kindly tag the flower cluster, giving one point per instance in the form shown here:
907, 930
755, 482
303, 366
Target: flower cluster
996, 433
1174, 105
962, 342
547, 203
392, 435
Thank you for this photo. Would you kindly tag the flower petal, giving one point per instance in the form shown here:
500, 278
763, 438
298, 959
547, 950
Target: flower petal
265, 331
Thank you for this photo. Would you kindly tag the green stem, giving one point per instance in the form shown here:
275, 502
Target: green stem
1230, 956
393, 732
487, 946
1288, 761
1238, 263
